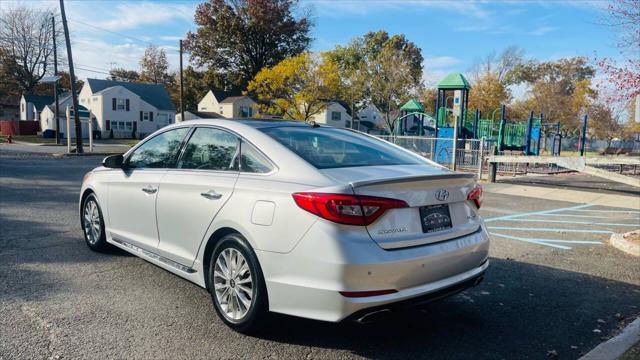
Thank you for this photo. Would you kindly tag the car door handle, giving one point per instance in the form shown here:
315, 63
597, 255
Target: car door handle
150, 189
211, 195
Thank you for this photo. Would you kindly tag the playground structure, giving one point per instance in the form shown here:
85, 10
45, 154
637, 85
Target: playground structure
455, 131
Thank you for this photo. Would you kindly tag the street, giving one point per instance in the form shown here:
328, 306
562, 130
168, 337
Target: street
553, 287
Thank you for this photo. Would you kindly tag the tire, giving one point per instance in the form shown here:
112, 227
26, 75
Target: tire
93, 225
231, 289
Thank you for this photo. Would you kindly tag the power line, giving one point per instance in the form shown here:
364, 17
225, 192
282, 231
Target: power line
111, 32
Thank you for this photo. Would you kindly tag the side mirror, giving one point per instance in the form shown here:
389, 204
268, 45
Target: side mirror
113, 161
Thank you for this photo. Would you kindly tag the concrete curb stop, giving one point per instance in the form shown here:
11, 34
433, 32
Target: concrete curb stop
616, 346
619, 242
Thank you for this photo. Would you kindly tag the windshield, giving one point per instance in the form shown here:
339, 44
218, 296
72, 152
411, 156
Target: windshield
327, 148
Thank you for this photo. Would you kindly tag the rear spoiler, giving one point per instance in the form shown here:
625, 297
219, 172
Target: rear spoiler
356, 184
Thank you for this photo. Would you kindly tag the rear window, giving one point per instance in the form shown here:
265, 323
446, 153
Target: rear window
327, 148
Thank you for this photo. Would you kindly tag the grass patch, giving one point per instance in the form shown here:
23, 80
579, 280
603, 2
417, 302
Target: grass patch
34, 139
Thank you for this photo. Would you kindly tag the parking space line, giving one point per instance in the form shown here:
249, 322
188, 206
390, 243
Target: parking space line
551, 211
607, 211
590, 216
550, 229
570, 222
533, 241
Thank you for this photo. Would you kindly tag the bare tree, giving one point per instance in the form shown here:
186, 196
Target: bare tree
498, 65
26, 37
154, 66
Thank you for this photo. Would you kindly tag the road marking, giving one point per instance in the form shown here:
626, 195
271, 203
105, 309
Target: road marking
549, 229
570, 222
610, 211
533, 241
590, 216
551, 211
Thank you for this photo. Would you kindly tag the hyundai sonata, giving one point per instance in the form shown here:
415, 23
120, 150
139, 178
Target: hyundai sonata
289, 217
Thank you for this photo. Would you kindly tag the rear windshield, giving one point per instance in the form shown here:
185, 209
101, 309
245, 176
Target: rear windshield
327, 148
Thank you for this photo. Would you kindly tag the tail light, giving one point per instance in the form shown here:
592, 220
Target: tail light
476, 195
346, 209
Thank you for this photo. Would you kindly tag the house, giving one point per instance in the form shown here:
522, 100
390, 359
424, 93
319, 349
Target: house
127, 109
228, 104
31, 106
368, 119
191, 115
9, 108
48, 120
335, 113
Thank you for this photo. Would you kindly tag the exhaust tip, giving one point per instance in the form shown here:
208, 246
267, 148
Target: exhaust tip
373, 316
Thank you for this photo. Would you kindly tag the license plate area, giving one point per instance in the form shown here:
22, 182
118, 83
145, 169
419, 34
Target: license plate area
435, 218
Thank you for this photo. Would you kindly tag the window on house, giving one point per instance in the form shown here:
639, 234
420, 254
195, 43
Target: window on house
128, 124
145, 115
336, 115
108, 125
120, 104
246, 112
221, 112
22, 106
120, 125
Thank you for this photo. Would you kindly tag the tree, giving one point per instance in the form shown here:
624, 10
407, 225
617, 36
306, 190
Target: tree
298, 87
488, 93
604, 123
498, 65
196, 83
240, 37
394, 67
560, 89
26, 38
154, 66
122, 74
9, 85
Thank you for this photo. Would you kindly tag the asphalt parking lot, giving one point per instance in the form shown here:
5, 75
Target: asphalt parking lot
554, 287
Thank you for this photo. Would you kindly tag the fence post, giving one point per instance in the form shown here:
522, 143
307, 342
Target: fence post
481, 157
493, 167
527, 147
68, 131
583, 138
455, 142
503, 125
90, 133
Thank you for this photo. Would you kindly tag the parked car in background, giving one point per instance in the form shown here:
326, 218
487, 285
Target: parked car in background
288, 217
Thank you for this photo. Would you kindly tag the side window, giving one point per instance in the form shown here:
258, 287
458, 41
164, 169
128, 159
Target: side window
252, 161
158, 152
210, 149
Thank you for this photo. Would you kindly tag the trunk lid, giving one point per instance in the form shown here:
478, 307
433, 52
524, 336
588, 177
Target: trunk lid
435, 190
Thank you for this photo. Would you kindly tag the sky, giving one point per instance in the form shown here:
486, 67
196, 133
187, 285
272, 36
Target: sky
452, 34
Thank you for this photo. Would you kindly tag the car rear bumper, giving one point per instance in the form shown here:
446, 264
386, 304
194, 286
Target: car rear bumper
307, 281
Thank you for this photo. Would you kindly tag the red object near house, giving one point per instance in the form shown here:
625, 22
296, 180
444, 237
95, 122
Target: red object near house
18, 127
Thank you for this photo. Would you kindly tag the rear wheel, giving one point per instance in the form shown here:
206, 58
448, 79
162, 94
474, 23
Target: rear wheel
236, 284
93, 225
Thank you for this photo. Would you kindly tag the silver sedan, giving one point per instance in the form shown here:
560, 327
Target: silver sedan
288, 217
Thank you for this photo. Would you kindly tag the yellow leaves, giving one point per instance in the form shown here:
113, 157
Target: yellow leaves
488, 93
297, 87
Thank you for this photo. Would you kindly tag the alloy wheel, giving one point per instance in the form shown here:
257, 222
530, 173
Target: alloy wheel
92, 224
232, 284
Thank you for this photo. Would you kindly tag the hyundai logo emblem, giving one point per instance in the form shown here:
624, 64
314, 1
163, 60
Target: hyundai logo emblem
442, 195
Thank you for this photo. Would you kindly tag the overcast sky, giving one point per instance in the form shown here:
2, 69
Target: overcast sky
451, 34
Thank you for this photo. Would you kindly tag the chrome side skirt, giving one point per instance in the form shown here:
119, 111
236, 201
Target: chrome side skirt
154, 256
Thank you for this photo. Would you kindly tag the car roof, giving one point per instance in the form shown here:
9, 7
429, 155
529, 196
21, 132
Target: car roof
254, 123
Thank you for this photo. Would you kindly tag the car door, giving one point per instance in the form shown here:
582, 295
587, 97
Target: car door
195, 191
132, 191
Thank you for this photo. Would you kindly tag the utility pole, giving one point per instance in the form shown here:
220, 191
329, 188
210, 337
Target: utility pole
181, 86
74, 95
55, 83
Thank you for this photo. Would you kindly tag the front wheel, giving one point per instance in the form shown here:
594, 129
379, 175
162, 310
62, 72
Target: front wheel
237, 285
93, 225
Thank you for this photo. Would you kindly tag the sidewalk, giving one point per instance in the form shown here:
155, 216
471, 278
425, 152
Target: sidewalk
575, 188
32, 148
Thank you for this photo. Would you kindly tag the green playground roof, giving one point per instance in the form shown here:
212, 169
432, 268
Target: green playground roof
412, 105
454, 81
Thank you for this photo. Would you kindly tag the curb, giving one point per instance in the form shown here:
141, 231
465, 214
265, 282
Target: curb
619, 242
616, 346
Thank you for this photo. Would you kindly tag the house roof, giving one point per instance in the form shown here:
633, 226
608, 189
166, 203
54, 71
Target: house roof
39, 101
412, 105
221, 96
154, 94
454, 81
232, 99
84, 112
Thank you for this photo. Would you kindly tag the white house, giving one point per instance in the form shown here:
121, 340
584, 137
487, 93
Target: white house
48, 120
127, 109
32, 105
369, 118
335, 114
230, 105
